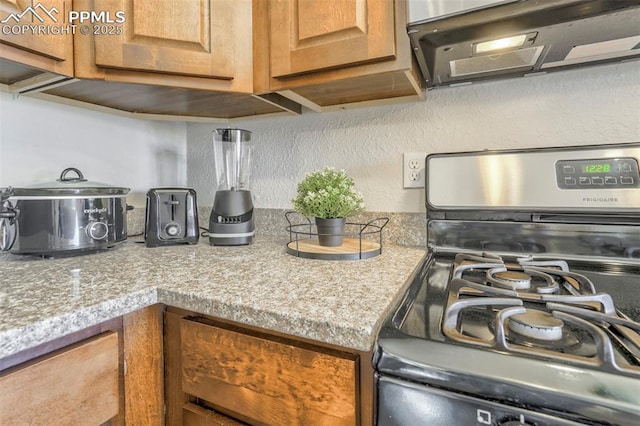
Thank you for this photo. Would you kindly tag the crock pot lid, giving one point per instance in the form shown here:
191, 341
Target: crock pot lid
70, 184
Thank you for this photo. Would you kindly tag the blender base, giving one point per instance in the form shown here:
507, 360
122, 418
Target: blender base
237, 234
231, 221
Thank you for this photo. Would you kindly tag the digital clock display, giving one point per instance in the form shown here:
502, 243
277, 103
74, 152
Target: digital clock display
598, 173
596, 168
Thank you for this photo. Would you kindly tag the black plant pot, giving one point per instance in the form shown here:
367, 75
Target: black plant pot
330, 231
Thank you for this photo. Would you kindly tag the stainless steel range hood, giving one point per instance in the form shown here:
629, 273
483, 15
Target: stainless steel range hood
463, 41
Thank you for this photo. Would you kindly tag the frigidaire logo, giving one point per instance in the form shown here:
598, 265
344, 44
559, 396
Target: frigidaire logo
600, 199
96, 210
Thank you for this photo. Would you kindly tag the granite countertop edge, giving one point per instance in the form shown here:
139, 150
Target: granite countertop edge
320, 325
345, 335
43, 331
40, 332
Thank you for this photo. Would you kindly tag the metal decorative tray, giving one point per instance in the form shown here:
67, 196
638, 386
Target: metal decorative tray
360, 240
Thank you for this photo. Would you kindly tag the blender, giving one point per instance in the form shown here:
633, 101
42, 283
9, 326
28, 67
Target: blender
231, 222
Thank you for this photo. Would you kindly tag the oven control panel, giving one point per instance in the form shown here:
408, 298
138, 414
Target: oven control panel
599, 173
597, 178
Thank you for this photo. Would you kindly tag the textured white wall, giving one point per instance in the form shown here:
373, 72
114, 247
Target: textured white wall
39, 139
585, 106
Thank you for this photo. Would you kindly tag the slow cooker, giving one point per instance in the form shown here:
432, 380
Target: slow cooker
68, 216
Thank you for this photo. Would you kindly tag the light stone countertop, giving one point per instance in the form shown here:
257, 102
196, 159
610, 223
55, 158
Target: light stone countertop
338, 302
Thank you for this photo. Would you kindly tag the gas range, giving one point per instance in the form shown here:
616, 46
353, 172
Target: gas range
526, 309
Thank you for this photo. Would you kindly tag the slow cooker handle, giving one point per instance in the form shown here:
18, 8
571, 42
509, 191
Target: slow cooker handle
7, 220
7, 228
64, 178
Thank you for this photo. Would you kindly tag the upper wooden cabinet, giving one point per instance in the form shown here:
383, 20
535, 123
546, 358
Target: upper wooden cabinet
184, 60
204, 59
34, 37
200, 44
315, 35
327, 53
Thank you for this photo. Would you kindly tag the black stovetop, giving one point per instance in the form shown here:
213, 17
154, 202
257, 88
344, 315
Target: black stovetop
411, 344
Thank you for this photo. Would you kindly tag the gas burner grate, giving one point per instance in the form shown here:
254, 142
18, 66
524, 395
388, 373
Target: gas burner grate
539, 309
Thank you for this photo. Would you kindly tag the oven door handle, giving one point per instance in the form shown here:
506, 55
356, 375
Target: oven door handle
610, 219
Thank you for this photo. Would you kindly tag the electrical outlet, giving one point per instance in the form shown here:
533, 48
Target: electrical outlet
413, 169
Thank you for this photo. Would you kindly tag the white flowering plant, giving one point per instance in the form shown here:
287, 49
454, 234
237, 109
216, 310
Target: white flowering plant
327, 194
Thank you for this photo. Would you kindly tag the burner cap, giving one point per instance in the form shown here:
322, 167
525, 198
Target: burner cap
537, 325
514, 280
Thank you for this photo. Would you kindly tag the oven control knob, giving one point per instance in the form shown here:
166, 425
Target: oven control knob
97, 230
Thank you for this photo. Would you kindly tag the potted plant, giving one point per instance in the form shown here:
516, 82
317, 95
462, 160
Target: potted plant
329, 196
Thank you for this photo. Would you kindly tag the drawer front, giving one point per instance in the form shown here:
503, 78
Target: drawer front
194, 415
267, 380
75, 386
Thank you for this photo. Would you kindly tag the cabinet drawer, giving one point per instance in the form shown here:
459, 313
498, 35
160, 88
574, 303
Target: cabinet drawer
266, 379
194, 415
78, 385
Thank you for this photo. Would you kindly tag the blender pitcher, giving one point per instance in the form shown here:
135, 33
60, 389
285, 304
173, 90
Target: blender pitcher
231, 222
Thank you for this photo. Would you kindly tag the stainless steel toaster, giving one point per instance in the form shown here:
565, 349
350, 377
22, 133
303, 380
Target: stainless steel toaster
171, 217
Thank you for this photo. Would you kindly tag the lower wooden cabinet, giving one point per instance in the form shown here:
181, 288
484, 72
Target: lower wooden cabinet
76, 385
218, 373
188, 370
266, 380
110, 373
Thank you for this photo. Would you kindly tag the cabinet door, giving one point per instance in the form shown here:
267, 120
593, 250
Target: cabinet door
75, 386
314, 35
190, 38
268, 380
37, 34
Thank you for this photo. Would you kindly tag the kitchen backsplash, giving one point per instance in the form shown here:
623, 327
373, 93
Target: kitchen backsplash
39, 139
406, 229
578, 107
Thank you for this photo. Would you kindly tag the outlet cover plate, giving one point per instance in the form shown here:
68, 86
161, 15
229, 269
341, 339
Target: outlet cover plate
413, 169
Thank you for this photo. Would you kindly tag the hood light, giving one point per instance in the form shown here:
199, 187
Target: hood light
499, 44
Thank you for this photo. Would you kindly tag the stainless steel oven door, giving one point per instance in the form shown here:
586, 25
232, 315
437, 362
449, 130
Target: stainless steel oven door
404, 403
